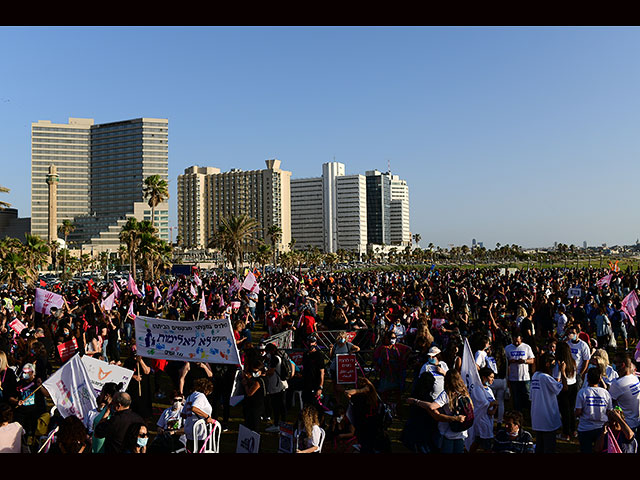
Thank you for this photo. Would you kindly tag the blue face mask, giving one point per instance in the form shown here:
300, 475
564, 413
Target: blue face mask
432, 360
142, 442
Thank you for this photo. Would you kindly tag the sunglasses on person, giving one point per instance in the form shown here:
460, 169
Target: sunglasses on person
143, 435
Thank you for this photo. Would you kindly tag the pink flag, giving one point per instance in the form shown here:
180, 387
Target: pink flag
221, 305
172, 290
637, 354
116, 290
629, 305
45, 300
250, 283
156, 293
612, 444
604, 281
107, 303
194, 292
132, 287
130, 313
203, 305
196, 279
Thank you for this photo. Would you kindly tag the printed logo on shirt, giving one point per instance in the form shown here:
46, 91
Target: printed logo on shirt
517, 353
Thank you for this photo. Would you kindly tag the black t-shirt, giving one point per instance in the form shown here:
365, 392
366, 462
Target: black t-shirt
312, 365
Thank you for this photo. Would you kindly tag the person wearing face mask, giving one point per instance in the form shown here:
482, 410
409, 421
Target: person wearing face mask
391, 360
341, 347
136, 439
341, 432
31, 402
253, 405
580, 351
512, 438
103, 401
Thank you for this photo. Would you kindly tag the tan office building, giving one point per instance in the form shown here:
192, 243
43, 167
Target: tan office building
206, 196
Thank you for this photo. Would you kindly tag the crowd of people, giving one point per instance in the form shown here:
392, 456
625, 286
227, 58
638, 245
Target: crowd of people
554, 350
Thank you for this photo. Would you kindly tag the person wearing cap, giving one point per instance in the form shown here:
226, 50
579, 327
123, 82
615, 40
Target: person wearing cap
437, 368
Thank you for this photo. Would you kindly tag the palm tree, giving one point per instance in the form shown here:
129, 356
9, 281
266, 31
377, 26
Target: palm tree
36, 251
4, 205
13, 270
263, 254
275, 234
130, 236
156, 191
232, 236
417, 237
65, 229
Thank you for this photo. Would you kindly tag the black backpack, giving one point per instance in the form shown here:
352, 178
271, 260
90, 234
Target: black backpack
286, 367
463, 407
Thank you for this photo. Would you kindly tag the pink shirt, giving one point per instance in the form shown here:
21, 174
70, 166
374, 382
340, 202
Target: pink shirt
11, 438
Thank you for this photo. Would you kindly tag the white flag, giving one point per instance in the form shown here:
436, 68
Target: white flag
107, 303
250, 283
45, 300
471, 377
71, 389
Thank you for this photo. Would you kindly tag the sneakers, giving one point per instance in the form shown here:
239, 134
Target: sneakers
272, 429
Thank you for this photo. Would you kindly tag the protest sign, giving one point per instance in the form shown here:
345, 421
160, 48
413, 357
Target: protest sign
45, 300
102, 372
346, 368
17, 326
248, 441
71, 390
209, 341
68, 349
286, 440
574, 292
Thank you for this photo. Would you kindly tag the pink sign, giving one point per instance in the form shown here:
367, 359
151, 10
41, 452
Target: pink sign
346, 368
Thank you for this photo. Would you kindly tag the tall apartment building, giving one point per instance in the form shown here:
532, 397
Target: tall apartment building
206, 196
387, 209
101, 170
330, 212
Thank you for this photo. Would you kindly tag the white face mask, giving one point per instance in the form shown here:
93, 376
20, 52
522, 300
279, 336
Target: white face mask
256, 374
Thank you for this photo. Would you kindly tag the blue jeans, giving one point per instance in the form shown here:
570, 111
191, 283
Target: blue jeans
452, 446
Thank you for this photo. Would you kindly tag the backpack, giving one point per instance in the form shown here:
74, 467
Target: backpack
463, 407
286, 367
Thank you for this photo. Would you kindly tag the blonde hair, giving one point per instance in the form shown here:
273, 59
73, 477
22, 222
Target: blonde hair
602, 353
309, 418
455, 387
4, 363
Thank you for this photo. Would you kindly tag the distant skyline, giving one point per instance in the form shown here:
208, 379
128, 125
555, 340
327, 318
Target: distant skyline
510, 135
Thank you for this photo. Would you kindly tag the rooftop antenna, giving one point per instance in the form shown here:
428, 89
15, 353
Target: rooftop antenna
388, 165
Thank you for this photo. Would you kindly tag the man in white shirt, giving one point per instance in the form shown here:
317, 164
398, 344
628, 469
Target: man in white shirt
519, 357
561, 321
437, 368
625, 392
580, 352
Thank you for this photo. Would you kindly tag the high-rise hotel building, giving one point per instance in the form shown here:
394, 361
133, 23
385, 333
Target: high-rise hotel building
206, 196
349, 212
330, 212
101, 169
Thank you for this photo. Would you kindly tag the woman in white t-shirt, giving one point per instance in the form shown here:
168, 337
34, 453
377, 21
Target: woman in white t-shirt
545, 414
197, 407
443, 409
311, 431
592, 404
610, 373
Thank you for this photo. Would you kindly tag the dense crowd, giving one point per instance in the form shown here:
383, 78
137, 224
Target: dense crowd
553, 348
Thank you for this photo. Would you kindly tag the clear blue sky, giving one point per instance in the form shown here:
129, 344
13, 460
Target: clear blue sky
514, 135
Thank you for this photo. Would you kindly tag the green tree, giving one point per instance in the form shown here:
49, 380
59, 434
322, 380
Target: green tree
35, 253
275, 234
155, 191
233, 236
130, 237
65, 229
